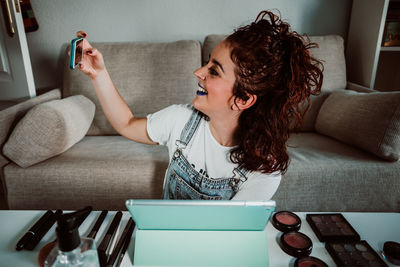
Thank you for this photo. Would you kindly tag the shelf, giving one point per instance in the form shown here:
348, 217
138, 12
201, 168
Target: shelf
390, 48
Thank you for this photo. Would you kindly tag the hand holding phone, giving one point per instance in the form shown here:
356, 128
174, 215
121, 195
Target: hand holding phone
76, 54
88, 58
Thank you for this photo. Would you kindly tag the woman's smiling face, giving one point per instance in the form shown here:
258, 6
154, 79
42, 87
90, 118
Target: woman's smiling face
216, 80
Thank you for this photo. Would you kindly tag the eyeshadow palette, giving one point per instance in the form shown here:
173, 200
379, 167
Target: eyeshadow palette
332, 227
354, 254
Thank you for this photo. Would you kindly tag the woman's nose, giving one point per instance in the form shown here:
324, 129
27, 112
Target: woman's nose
200, 73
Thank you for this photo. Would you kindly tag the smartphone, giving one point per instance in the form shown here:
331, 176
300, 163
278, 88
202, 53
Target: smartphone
76, 55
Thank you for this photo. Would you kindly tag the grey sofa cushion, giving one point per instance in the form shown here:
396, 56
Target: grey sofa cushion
370, 121
10, 117
330, 52
102, 171
327, 175
49, 129
149, 77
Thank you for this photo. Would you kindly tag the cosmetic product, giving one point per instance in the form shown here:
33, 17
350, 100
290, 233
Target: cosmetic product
130, 224
97, 224
31, 244
286, 221
332, 227
33, 230
296, 244
84, 214
126, 244
71, 250
107, 238
46, 249
349, 254
113, 242
391, 252
309, 262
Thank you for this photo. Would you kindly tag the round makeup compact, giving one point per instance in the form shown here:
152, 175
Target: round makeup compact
309, 262
286, 221
296, 244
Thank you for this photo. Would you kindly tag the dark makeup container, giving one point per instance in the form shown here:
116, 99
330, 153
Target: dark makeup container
391, 251
309, 262
350, 254
296, 244
286, 221
332, 227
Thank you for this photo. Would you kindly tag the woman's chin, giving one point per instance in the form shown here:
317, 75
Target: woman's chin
197, 105
195, 102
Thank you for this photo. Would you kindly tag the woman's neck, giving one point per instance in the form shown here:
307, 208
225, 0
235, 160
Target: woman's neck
223, 130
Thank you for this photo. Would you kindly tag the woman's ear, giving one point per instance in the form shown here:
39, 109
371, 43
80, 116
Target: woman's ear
241, 104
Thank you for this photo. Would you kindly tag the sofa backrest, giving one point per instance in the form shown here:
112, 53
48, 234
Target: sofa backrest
151, 76
10, 117
148, 76
330, 51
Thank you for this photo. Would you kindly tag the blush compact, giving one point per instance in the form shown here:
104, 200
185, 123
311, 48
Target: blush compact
332, 227
354, 254
309, 262
286, 221
296, 244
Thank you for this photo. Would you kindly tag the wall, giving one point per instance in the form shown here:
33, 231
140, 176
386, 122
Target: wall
162, 21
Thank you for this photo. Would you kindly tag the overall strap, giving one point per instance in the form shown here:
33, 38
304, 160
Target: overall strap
240, 176
241, 172
189, 129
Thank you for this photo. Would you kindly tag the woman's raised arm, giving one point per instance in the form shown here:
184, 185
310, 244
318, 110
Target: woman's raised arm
114, 107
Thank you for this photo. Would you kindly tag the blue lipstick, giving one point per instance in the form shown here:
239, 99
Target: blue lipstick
202, 90
200, 93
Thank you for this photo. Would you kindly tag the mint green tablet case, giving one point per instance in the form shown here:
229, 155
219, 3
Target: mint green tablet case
200, 233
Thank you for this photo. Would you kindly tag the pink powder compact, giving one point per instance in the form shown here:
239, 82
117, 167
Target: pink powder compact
296, 244
309, 262
286, 221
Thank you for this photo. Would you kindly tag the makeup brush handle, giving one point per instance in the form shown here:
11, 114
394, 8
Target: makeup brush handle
97, 225
113, 226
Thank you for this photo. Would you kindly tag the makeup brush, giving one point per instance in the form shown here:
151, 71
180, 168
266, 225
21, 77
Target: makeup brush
96, 227
46, 249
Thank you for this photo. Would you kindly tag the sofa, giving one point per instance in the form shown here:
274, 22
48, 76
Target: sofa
344, 158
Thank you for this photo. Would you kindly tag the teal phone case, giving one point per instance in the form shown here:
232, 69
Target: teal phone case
200, 233
72, 64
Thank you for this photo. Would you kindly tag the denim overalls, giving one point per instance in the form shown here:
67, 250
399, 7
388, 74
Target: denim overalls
182, 181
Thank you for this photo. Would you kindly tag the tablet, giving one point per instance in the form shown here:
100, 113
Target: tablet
200, 214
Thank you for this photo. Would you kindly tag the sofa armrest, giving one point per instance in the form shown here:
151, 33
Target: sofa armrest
358, 88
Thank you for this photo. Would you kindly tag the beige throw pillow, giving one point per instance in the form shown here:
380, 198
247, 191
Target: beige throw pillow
49, 129
370, 121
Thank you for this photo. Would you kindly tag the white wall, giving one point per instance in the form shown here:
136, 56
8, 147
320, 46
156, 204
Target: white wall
162, 21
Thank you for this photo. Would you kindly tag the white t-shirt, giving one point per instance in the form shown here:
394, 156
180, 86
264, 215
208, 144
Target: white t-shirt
205, 154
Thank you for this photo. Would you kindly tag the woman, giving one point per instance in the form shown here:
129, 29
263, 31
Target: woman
231, 142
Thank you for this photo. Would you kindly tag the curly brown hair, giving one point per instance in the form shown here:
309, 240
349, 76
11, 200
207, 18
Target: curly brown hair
275, 64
